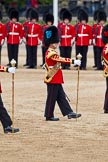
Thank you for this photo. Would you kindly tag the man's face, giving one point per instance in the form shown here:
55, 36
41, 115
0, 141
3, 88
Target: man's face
102, 22
49, 23
33, 21
66, 21
14, 20
83, 22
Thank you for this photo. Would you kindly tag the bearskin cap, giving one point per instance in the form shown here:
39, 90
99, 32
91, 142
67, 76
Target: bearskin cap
49, 17
27, 15
67, 15
101, 15
82, 15
10, 10
51, 35
105, 34
61, 13
14, 14
95, 15
34, 14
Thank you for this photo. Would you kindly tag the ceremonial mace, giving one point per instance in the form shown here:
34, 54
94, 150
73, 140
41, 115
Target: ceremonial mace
13, 62
79, 56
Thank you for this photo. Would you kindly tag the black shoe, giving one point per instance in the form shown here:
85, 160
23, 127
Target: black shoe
73, 115
31, 67
94, 66
9, 129
25, 65
52, 119
105, 111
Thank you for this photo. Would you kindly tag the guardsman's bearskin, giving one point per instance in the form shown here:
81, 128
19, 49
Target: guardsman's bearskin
101, 16
95, 15
67, 15
27, 15
82, 15
51, 35
14, 14
61, 13
49, 18
34, 14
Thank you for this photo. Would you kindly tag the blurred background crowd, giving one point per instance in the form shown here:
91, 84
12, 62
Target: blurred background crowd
44, 6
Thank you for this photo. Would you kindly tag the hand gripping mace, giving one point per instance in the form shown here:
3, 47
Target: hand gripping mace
79, 56
13, 62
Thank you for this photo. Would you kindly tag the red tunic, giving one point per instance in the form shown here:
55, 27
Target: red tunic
2, 32
105, 55
52, 58
14, 32
66, 33
2, 69
84, 35
34, 32
98, 38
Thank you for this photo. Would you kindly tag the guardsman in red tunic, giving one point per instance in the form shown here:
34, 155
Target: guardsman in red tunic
54, 78
83, 37
4, 116
49, 20
105, 60
14, 34
101, 17
33, 38
67, 36
94, 33
25, 24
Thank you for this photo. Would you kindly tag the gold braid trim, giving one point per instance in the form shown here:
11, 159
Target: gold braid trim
51, 53
3, 68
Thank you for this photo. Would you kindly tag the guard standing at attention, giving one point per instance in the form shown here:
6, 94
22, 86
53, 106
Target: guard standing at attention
14, 35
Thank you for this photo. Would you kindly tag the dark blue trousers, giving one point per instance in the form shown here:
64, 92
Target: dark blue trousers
4, 117
55, 93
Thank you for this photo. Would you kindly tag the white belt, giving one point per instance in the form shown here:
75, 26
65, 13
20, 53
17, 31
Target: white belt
66, 36
82, 35
13, 33
1, 34
32, 35
99, 36
50, 67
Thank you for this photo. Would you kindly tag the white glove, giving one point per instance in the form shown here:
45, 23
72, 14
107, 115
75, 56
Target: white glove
20, 41
94, 42
24, 40
77, 62
12, 70
73, 41
39, 42
2, 42
90, 42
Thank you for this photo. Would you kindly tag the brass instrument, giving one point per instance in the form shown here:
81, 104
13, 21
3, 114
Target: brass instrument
51, 72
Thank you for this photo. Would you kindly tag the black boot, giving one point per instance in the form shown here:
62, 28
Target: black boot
52, 119
73, 115
9, 129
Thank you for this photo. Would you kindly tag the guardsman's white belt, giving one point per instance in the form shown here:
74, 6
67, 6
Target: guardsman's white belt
66, 36
32, 35
83, 35
13, 33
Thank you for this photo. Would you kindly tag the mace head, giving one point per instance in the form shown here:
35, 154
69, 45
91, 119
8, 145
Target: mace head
13, 62
79, 56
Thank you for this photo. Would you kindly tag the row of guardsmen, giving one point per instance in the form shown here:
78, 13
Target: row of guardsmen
31, 33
